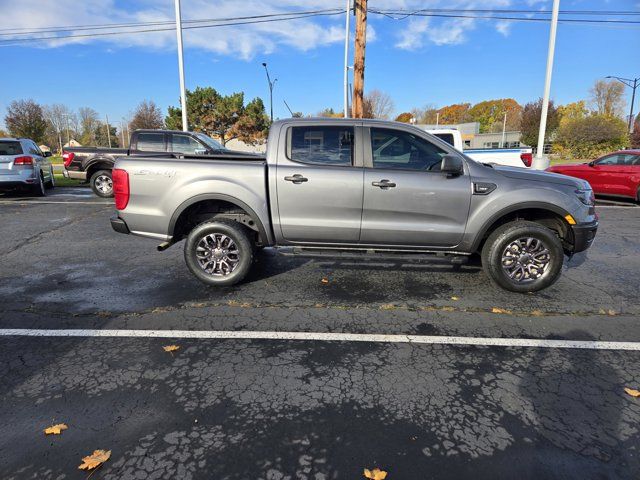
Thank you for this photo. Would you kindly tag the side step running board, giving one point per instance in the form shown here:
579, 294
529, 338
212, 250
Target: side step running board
372, 254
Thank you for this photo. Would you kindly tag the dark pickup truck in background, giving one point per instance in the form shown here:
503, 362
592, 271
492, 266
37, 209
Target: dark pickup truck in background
95, 164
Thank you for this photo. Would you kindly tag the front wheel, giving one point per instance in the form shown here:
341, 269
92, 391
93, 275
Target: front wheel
523, 257
102, 183
219, 252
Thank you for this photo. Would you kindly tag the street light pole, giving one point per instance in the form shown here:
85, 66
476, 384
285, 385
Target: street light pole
108, 130
541, 162
183, 95
504, 129
271, 84
633, 84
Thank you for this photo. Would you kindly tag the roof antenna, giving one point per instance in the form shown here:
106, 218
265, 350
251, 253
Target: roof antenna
287, 105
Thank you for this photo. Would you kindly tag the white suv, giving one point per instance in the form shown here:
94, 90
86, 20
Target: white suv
23, 165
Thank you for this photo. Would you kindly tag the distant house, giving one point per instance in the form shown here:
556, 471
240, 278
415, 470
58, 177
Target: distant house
241, 146
44, 148
72, 143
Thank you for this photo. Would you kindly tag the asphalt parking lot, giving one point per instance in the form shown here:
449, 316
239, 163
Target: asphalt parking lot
420, 370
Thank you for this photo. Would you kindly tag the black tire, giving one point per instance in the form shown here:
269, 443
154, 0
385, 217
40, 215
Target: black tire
520, 272
215, 229
102, 183
39, 189
52, 182
638, 195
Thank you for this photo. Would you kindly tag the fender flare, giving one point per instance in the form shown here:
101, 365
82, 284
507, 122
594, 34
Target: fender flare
514, 208
94, 160
219, 196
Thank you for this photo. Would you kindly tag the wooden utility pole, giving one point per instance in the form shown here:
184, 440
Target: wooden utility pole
358, 62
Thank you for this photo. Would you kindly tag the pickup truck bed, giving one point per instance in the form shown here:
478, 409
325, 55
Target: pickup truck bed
94, 164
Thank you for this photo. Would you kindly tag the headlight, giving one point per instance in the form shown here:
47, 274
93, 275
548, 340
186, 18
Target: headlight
586, 196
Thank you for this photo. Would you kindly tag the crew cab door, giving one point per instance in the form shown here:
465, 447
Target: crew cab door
407, 200
319, 184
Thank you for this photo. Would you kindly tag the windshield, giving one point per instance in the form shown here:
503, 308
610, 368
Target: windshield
210, 142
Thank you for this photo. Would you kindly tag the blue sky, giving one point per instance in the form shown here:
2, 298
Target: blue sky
417, 62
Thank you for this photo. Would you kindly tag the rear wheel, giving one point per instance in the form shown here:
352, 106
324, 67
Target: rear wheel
219, 252
523, 257
38, 188
52, 181
102, 183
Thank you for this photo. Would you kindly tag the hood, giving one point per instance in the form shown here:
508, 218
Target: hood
541, 176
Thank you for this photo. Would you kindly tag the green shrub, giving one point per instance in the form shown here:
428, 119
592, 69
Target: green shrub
590, 137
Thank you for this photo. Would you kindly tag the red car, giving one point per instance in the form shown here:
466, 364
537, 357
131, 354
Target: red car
616, 174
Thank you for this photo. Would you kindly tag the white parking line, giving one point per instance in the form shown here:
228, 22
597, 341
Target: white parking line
328, 337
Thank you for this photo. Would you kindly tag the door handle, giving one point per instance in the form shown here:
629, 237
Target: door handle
383, 184
297, 178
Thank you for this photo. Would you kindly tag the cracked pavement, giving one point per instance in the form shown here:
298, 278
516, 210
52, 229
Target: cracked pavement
267, 409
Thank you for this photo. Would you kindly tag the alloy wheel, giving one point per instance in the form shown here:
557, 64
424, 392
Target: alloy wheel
526, 259
217, 254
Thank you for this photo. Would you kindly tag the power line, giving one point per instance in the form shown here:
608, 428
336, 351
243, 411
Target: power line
18, 41
478, 14
387, 12
494, 17
69, 28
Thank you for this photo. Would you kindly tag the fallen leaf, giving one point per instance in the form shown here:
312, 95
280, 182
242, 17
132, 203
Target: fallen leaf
97, 458
448, 309
171, 348
611, 313
55, 429
537, 313
499, 310
375, 474
325, 280
455, 298
387, 306
632, 392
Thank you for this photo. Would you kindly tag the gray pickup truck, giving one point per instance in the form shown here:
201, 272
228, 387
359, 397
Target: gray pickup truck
356, 187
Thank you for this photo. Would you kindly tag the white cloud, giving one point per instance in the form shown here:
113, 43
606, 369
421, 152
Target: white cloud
504, 28
244, 41
421, 31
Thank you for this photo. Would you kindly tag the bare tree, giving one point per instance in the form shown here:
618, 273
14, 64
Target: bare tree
89, 120
146, 115
378, 104
607, 98
60, 122
425, 115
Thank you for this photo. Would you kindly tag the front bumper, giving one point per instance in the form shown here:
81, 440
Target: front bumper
119, 225
583, 235
76, 175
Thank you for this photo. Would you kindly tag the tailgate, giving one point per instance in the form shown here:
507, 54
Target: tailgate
6, 164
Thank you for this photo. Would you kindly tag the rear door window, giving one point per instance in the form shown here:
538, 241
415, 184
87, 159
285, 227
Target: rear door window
151, 142
10, 148
322, 145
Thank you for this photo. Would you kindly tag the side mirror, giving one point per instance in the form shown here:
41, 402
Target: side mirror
592, 164
452, 165
46, 154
